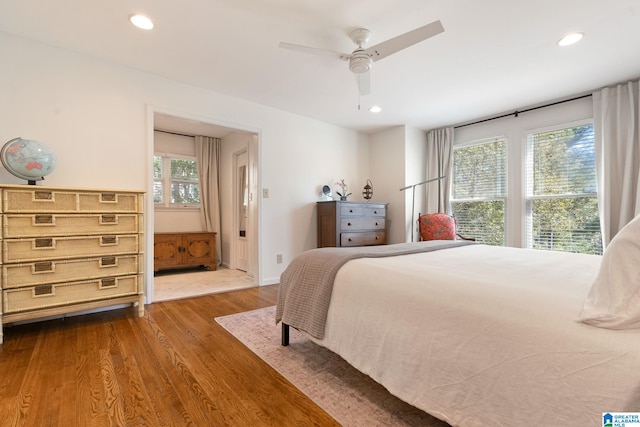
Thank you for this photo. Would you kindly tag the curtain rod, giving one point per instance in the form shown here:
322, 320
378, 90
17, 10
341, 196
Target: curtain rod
515, 113
173, 133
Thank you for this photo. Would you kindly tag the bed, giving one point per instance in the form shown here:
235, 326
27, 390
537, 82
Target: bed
479, 335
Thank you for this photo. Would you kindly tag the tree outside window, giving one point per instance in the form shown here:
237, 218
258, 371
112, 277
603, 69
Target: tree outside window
175, 182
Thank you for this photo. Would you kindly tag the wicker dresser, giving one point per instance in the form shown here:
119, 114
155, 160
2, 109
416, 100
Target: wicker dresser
351, 224
65, 250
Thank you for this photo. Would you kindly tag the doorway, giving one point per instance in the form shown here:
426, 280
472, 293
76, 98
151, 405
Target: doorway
235, 206
241, 210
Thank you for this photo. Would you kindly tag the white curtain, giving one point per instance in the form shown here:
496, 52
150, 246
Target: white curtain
439, 163
616, 113
208, 158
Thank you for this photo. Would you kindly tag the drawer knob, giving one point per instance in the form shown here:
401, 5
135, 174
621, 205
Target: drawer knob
105, 261
350, 210
44, 219
42, 290
40, 267
349, 238
43, 195
109, 282
44, 243
109, 240
375, 212
376, 237
349, 224
376, 223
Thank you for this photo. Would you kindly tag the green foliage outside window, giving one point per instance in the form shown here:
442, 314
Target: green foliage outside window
180, 180
562, 195
479, 191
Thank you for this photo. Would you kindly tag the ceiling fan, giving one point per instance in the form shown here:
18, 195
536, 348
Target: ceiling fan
361, 59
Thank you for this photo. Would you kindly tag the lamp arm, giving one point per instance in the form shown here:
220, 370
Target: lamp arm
413, 197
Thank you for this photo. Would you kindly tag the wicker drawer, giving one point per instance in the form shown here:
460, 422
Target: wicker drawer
36, 273
363, 223
51, 295
48, 200
49, 248
363, 239
37, 225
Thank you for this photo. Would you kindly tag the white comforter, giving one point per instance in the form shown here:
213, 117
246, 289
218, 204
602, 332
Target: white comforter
485, 336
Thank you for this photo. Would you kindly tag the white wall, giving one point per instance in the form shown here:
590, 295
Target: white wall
96, 117
388, 176
415, 171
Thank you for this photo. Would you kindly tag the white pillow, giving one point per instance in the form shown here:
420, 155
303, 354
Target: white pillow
614, 298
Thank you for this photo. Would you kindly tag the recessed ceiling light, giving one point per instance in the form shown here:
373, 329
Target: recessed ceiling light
570, 39
375, 109
141, 21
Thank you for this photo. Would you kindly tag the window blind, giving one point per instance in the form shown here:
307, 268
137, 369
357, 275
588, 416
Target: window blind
562, 205
479, 190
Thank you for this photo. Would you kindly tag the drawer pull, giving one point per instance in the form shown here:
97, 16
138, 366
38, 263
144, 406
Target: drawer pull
350, 210
108, 261
108, 197
44, 243
376, 223
109, 219
40, 267
43, 195
349, 238
44, 219
43, 290
108, 283
375, 212
349, 224
376, 237
109, 240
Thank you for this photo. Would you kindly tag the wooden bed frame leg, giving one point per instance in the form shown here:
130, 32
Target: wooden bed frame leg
285, 334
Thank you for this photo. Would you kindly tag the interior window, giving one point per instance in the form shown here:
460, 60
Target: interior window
175, 181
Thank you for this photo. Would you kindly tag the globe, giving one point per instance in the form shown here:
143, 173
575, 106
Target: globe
28, 159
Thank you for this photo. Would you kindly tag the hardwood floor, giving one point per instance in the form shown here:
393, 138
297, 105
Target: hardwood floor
174, 367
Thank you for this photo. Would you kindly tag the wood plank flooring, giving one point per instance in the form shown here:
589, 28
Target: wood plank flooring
174, 367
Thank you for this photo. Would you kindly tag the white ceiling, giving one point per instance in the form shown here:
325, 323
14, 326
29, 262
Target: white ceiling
495, 56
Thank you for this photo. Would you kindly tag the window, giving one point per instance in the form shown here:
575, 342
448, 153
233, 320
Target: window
175, 181
479, 195
561, 195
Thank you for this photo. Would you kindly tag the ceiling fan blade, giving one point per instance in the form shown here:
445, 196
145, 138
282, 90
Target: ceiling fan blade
405, 40
364, 83
315, 51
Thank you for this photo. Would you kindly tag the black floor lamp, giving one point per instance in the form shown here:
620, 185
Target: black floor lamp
413, 197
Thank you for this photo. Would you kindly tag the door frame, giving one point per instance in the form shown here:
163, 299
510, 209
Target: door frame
255, 158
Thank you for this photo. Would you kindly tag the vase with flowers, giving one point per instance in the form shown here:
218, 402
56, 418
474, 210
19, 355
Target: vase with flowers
344, 194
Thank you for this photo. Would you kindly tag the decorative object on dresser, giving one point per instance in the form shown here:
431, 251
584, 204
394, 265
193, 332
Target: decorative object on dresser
66, 250
27, 159
345, 190
351, 224
176, 250
367, 191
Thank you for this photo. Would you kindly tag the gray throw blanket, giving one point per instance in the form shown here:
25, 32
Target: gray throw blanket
307, 283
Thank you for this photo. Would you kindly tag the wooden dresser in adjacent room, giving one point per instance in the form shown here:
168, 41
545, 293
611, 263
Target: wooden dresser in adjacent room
66, 250
343, 223
177, 250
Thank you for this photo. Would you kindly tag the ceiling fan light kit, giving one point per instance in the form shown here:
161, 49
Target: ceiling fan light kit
361, 59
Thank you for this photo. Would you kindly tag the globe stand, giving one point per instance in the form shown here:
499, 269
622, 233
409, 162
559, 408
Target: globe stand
31, 182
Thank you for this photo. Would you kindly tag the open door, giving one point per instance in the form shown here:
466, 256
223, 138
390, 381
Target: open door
242, 211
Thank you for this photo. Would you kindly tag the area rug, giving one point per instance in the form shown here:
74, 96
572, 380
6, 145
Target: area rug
349, 396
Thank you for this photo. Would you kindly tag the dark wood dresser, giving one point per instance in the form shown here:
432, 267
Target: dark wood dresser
351, 224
